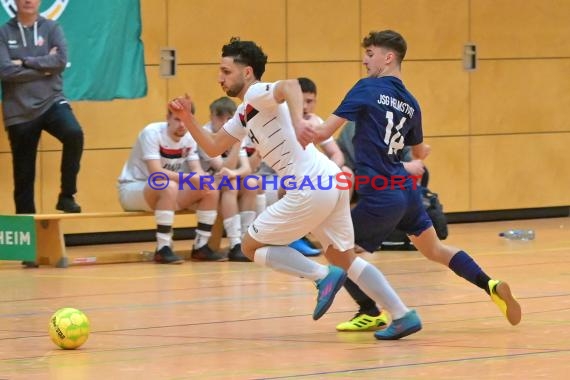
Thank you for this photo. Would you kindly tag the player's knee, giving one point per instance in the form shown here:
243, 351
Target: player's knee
169, 192
251, 184
247, 194
212, 195
230, 193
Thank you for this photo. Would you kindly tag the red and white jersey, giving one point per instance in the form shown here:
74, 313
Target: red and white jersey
153, 143
268, 125
249, 146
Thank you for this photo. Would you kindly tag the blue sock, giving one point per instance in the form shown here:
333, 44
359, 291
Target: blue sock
464, 266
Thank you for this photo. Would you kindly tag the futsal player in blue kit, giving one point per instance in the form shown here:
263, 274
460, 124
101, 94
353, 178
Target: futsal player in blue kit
388, 117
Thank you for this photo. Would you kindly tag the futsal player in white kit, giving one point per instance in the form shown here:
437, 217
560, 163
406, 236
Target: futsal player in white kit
271, 114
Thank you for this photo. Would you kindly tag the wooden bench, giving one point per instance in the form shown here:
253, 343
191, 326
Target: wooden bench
51, 248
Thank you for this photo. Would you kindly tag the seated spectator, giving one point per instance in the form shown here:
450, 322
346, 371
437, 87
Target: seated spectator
150, 179
237, 203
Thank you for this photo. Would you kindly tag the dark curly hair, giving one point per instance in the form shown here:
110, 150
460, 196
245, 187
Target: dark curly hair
247, 53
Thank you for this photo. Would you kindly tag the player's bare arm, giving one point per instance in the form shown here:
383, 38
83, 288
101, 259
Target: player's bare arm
326, 130
213, 144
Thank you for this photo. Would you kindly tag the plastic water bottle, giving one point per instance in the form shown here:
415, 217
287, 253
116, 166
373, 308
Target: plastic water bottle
518, 234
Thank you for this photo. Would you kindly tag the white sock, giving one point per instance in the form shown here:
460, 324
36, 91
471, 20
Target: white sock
164, 220
374, 284
247, 217
206, 219
287, 260
260, 203
232, 225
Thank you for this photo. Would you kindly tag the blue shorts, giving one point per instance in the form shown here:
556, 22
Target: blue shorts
379, 213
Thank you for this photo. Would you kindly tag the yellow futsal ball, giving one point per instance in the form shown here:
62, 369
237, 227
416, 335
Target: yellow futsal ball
68, 328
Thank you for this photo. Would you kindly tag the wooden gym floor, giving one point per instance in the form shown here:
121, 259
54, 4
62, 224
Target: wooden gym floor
241, 321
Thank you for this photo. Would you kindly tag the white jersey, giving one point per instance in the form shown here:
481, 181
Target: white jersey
153, 143
268, 125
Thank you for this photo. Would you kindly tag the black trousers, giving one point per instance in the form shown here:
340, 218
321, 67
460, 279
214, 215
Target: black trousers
59, 122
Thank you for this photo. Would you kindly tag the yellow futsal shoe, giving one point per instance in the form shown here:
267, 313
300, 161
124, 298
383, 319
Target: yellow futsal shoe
364, 322
501, 295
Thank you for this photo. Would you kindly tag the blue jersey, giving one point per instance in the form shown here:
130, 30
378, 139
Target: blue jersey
387, 117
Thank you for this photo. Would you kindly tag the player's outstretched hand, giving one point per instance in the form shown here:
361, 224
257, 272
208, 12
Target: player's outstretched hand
181, 105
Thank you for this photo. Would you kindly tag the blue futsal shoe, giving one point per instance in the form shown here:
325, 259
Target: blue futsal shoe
399, 328
303, 245
328, 287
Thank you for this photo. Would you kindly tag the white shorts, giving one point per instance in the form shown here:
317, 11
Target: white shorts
325, 213
131, 196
